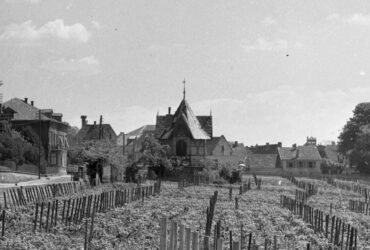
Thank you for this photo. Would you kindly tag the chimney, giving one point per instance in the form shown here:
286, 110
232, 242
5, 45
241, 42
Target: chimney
26, 100
267, 143
169, 110
32, 103
83, 120
280, 144
94, 123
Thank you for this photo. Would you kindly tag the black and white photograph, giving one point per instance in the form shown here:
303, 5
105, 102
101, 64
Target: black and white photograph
184, 125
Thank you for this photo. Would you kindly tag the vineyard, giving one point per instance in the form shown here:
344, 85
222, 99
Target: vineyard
266, 212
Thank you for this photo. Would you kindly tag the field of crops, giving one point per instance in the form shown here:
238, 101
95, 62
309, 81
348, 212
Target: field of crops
136, 225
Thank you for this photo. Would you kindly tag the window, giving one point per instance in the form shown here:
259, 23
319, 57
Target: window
300, 164
193, 150
290, 164
201, 151
222, 150
311, 164
53, 159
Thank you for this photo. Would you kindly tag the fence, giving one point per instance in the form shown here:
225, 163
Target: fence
175, 236
333, 228
354, 187
75, 209
359, 207
22, 196
309, 188
244, 187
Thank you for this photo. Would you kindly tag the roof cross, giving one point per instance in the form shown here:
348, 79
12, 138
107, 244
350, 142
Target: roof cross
184, 82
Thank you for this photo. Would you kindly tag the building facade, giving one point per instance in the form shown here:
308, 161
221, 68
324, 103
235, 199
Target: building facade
95, 131
47, 125
299, 159
191, 139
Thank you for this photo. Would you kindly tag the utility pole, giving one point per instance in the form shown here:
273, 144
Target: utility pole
100, 127
39, 144
123, 143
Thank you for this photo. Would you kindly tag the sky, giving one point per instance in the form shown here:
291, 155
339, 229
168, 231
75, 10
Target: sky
270, 71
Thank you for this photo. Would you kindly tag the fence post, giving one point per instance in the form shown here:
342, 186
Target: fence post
3, 225
181, 237
206, 243
236, 245
163, 240
195, 241
187, 238
220, 244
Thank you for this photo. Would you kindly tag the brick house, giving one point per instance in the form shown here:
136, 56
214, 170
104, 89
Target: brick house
53, 130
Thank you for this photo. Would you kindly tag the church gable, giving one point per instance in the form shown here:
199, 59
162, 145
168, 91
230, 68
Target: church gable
184, 118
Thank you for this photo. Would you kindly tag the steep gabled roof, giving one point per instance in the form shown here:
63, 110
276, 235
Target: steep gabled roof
299, 153
165, 124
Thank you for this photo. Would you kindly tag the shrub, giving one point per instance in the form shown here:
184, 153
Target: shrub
235, 176
225, 173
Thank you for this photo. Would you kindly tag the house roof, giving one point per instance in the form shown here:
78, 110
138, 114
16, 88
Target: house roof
331, 152
211, 144
262, 160
25, 111
140, 131
165, 124
308, 152
91, 131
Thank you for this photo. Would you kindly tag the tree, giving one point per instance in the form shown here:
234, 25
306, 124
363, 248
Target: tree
154, 157
354, 140
350, 133
98, 152
15, 147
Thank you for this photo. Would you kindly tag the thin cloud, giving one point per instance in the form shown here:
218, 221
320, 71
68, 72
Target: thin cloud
333, 16
359, 19
268, 21
23, 1
265, 45
28, 32
86, 66
95, 24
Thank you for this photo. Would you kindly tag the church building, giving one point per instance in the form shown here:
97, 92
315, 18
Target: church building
191, 139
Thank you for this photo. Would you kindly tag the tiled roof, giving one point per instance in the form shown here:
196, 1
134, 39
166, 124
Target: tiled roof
262, 160
299, 153
140, 131
331, 153
165, 124
211, 144
206, 124
91, 132
25, 111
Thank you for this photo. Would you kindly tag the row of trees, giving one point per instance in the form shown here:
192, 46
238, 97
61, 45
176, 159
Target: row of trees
354, 140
